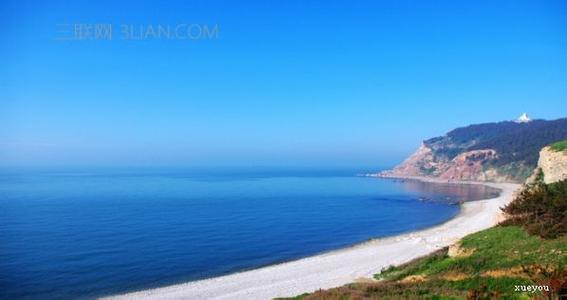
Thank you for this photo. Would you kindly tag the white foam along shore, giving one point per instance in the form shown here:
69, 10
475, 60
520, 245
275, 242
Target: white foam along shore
342, 266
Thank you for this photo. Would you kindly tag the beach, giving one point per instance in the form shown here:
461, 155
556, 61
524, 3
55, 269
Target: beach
342, 266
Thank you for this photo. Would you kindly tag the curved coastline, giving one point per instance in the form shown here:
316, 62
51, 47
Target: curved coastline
339, 267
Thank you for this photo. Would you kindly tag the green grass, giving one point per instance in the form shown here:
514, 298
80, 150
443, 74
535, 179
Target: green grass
559, 146
495, 248
519, 257
416, 267
509, 246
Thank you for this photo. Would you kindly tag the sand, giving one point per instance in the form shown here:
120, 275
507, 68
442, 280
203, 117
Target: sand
339, 267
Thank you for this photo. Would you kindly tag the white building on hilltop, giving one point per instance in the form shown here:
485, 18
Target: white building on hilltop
523, 118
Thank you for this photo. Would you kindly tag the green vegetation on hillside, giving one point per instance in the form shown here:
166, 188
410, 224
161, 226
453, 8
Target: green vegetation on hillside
491, 264
559, 146
540, 208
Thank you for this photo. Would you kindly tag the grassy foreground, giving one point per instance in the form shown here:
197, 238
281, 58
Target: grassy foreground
487, 265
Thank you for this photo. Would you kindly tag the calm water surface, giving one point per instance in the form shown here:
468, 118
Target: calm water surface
87, 234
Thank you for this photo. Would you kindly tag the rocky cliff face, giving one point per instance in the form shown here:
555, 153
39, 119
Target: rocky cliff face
469, 165
499, 152
553, 163
420, 162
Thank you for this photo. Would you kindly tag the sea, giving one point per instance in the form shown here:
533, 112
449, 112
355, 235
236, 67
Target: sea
82, 234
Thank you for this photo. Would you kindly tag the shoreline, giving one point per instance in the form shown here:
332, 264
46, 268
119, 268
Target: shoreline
345, 265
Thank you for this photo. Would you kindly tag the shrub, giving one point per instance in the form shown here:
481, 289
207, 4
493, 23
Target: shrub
540, 208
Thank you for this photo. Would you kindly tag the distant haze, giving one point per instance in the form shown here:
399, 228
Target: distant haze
289, 84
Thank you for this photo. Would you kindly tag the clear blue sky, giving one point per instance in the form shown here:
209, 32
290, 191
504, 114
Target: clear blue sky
309, 83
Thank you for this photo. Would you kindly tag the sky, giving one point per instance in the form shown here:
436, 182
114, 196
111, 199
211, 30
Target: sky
282, 83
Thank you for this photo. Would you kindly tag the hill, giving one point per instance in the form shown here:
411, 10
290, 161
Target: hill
502, 151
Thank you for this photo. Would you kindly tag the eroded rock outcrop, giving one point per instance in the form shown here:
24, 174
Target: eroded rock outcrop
553, 163
416, 164
471, 165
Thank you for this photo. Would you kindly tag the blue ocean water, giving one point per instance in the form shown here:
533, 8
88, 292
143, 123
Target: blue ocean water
86, 234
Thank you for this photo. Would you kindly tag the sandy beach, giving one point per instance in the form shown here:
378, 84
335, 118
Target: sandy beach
342, 266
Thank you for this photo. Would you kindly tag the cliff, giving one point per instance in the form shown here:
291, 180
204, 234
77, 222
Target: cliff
500, 152
553, 162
